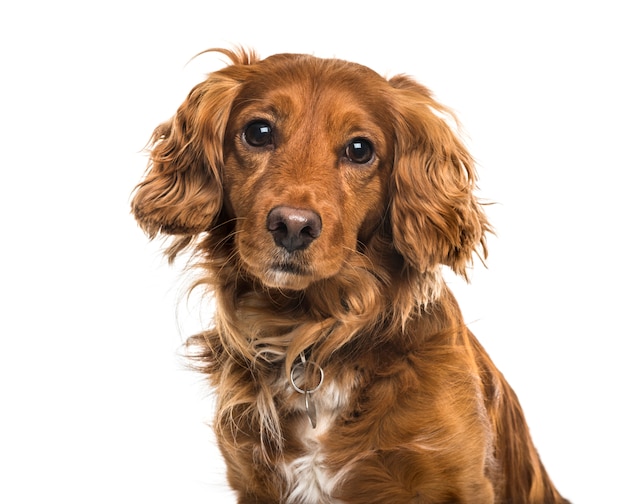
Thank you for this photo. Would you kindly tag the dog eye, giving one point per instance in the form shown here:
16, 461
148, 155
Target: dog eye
258, 134
360, 151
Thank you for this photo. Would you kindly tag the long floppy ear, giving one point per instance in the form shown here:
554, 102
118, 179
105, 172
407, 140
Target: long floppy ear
435, 216
181, 193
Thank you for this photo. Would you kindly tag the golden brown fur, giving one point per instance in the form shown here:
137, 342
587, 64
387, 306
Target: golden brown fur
412, 410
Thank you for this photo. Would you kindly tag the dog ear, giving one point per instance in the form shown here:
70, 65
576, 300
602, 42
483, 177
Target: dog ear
181, 193
435, 216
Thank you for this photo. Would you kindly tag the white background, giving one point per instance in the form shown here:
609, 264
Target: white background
95, 404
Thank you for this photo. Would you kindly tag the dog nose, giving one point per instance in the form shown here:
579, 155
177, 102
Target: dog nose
293, 228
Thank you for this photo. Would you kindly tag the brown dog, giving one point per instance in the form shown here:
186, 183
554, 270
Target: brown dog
320, 201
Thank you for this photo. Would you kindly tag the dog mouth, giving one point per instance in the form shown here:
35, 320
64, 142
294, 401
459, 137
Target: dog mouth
288, 273
289, 267
278, 268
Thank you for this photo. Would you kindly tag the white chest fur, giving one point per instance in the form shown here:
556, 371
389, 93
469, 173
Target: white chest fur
310, 480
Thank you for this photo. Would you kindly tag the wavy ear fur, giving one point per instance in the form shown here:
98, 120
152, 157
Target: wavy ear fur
181, 193
435, 216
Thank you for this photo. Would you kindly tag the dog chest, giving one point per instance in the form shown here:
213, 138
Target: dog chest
308, 476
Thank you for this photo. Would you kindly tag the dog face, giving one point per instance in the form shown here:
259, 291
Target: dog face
306, 168
305, 161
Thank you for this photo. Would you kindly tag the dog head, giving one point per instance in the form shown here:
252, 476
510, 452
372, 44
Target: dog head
298, 164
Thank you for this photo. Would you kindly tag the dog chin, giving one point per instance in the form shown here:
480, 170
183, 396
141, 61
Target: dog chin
280, 278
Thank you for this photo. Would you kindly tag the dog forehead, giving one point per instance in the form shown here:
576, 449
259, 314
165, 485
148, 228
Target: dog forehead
292, 86
318, 67
306, 76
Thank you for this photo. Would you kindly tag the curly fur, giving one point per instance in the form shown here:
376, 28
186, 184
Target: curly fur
412, 409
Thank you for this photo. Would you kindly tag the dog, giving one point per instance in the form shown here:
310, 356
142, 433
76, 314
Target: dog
319, 202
